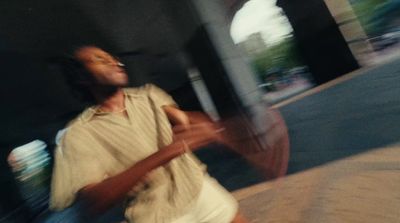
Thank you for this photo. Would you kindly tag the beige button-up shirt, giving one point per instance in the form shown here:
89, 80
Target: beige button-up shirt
99, 145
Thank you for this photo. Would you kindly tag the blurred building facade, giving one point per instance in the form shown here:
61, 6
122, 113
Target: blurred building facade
254, 44
324, 48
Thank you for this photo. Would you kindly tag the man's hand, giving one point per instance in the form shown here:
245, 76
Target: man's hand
198, 135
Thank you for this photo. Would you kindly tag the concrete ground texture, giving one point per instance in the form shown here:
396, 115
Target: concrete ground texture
344, 159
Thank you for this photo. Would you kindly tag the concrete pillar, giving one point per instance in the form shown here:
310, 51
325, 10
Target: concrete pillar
351, 30
321, 43
215, 23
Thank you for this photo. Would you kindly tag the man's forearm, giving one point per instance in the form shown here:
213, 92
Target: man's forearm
103, 195
111, 190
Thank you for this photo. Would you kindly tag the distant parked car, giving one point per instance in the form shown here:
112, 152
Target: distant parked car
386, 40
298, 70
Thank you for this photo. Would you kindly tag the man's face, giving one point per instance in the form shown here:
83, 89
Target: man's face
105, 69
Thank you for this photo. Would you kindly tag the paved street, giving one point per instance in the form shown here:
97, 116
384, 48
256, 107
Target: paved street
344, 163
348, 118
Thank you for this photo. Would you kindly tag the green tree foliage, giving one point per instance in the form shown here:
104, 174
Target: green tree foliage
283, 55
368, 12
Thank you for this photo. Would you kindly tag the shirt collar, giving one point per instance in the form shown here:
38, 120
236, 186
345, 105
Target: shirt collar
88, 113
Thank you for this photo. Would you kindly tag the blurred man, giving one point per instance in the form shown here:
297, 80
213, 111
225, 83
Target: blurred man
123, 148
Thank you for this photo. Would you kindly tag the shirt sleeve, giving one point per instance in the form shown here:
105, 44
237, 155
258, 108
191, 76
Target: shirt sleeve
75, 166
159, 96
